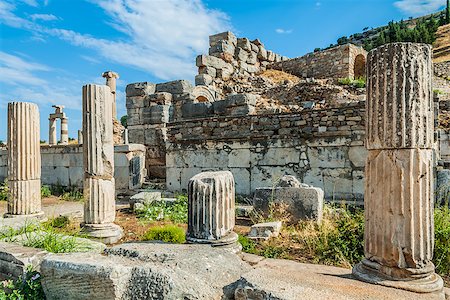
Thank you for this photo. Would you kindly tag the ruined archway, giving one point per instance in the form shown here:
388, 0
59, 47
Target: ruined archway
359, 67
202, 93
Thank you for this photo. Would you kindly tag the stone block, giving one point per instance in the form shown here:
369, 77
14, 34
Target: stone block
156, 114
244, 43
203, 79
221, 47
241, 99
145, 198
226, 36
262, 53
305, 202
14, 259
252, 58
241, 110
161, 98
140, 89
244, 210
241, 54
134, 102
265, 231
175, 87
208, 71
211, 61
197, 110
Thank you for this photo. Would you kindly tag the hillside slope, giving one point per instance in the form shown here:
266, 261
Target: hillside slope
441, 47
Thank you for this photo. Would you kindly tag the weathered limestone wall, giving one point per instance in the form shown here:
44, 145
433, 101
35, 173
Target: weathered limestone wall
230, 61
323, 148
63, 165
346, 61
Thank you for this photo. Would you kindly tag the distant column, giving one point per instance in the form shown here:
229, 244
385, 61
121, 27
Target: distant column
211, 210
64, 131
399, 192
24, 161
52, 131
98, 162
80, 137
111, 78
125, 136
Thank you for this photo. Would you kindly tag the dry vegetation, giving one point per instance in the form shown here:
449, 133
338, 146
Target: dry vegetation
441, 47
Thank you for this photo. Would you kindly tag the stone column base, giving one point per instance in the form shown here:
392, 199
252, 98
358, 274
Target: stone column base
38, 216
415, 280
230, 241
108, 233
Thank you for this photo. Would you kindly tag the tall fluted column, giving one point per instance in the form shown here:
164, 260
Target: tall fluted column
24, 161
80, 137
52, 131
64, 131
399, 193
111, 78
98, 162
211, 212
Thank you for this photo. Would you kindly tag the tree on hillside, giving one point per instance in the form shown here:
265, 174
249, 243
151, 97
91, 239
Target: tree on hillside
447, 12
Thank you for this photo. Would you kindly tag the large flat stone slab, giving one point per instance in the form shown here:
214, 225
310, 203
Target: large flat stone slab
143, 271
14, 259
288, 280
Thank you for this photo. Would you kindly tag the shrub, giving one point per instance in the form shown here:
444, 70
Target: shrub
4, 191
73, 195
176, 211
28, 286
356, 83
442, 240
248, 245
45, 191
167, 233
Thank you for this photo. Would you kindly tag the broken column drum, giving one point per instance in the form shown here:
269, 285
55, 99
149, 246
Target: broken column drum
24, 161
98, 162
211, 210
399, 192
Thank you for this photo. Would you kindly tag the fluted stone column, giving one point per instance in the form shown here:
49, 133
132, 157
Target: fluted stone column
125, 136
24, 161
111, 78
399, 192
64, 131
211, 211
80, 137
98, 162
52, 131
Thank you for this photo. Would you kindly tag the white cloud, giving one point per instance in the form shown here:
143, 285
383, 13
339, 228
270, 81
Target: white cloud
25, 83
44, 17
161, 37
283, 31
419, 7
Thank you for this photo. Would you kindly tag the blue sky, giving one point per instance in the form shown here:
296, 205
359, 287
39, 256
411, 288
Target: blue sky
50, 48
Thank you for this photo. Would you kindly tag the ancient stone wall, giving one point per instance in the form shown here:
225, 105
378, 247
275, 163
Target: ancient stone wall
346, 61
230, 61
63, 165
323, 148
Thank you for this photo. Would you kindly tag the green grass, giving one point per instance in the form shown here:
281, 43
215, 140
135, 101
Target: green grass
357, 83
176, 212
45, 191
166, 233
55, 235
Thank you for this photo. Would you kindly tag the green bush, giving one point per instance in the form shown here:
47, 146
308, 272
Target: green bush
176, 211
248, 245
4, 191
442, 240
167, 233
73, 195
344, 242
45, 191
27, 287
356, 83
